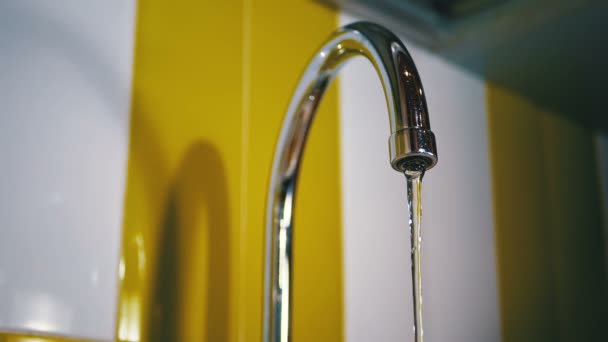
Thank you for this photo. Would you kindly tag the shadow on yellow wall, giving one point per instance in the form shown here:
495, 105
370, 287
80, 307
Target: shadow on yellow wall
176, 264
186, 249
210, 86
177, 268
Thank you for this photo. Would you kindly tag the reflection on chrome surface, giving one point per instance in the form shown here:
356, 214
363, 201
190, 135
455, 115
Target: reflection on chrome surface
411, 145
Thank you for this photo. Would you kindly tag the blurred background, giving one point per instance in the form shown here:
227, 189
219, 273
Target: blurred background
136, 140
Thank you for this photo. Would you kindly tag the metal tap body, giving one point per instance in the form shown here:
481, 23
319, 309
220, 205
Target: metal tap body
411, 146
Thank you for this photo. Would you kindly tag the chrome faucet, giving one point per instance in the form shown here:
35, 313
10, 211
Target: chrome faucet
411, 146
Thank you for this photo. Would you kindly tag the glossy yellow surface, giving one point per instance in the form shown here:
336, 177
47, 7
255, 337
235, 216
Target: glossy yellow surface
211, 84
179, 268
283, 37
547, 223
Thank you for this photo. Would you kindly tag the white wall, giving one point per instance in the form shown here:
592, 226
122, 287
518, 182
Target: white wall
65, 88
459, 263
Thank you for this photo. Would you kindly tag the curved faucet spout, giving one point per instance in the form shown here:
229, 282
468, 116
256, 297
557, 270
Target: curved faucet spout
411, 146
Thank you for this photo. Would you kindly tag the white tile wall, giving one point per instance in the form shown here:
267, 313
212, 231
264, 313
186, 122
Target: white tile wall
65, 73
459, 264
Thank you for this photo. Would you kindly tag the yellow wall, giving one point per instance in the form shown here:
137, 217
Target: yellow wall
547, 222
181, 226
211, 83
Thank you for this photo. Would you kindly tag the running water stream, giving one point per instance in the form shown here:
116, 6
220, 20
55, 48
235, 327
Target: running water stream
414, 183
